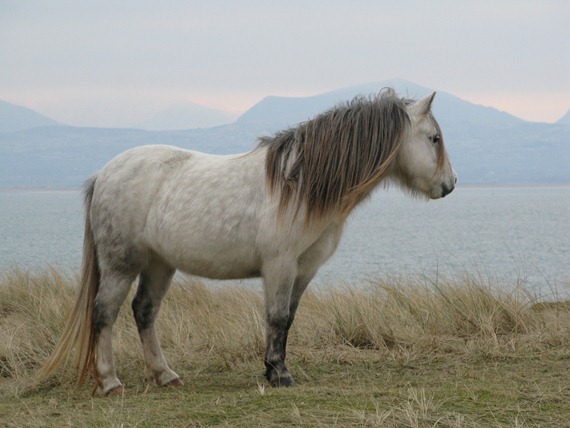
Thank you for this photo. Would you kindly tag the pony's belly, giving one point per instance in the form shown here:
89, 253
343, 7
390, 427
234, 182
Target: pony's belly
220, 268
214, 258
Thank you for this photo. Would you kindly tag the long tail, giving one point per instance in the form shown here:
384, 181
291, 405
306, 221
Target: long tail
78, 340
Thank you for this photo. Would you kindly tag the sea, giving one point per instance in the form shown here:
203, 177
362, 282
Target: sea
505, 236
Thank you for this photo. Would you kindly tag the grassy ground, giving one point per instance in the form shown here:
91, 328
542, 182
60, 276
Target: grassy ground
451, 354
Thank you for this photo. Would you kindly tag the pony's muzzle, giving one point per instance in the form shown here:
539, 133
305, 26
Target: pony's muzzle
446, 188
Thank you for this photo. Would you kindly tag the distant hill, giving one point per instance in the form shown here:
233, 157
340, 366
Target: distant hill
16, 118
63, 157
186, 116
486, 145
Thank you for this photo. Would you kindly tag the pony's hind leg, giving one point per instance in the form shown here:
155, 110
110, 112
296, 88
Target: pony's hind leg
153, 285
113, 290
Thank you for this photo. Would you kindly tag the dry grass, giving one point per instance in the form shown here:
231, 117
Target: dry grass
452, 353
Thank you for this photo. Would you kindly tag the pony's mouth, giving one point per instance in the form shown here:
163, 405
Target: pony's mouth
446, 190
447, 186
441, 191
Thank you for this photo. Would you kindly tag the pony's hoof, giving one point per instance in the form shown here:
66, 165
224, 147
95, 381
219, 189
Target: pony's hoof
278, 375
281, 381
175, 383
116, 391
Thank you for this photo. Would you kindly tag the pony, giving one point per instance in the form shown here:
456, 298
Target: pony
276, 212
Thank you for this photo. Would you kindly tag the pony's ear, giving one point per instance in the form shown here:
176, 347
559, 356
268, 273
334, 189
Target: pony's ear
423, 106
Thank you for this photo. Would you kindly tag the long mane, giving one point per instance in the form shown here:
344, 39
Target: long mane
331, 163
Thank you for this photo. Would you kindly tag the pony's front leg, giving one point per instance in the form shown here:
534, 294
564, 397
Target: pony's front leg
276, 372
279, 277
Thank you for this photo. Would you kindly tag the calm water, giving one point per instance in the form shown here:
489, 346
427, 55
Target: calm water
507, 234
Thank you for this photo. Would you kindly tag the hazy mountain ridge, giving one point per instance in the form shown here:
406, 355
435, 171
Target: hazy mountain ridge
65, 156
485, 144
16, 118
287, 111
185, 116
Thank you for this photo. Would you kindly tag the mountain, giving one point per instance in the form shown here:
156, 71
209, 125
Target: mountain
486, 145
186, 116
282, 112
15, 118
564, 120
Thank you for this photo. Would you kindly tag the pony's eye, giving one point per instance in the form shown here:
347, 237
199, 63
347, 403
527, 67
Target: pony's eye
435, 139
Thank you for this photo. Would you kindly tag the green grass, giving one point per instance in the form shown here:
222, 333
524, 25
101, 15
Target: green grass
453, 354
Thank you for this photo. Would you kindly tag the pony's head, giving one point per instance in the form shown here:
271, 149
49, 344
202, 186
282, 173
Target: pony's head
422, 165
329, 164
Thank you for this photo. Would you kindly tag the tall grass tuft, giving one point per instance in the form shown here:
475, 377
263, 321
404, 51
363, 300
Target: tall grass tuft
32, 311
394, 314
219, 328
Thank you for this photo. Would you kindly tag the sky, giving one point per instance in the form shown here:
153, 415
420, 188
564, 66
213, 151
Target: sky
108, 62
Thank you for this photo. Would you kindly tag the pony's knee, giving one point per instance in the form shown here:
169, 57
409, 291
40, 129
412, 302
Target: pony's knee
112, 293
143, 312
277, 332
277, 325
104, 315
